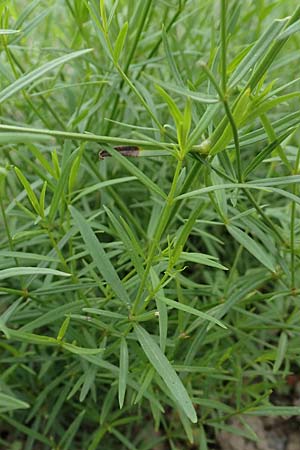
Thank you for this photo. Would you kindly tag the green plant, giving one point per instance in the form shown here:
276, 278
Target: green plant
158, 293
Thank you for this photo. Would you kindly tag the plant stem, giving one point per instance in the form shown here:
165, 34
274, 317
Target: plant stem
167, 209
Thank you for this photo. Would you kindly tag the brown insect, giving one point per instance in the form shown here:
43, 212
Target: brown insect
125, 150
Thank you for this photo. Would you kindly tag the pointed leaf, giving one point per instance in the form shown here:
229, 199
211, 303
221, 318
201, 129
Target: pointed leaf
9, 403
99, 256
135, 171
120, 42
190, 310
253, 247
166, 371
123, 371
18, 271
29, 191
281, 351
28, 78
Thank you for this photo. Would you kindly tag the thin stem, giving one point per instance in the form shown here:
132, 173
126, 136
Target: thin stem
121, 204
129, 59
230, 118
157, 45
292, 231
141, 98
9, 238
263, 215
223, 45
236, 142
87, 137
163, 222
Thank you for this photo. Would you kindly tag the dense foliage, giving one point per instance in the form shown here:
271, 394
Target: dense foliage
145, 301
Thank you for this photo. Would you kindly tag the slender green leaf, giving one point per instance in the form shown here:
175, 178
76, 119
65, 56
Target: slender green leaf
281, 351
9, 403
42, 199
29, 78
88, 382
80, 350
101, 185
275, 411
63, 329
136, 172
119, 44
166, 371
174, 111
6, 31
22, 138
100, 258
28, 337
202, 98
289, 31
20, 271
258, 50
252, 246
201, 258
123, 372
31, 195
190, 310
265, 153
70, 433
162, 310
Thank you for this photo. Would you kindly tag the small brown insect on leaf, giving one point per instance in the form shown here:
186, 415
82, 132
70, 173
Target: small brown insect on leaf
125, 150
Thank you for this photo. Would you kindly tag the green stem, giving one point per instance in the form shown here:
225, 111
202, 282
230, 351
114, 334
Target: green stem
223, 44
59, 253
129, 59
158, 234
87, 137
122, 205
230, 118
9, 238
292, 231
157, 45
141, 99
263, 215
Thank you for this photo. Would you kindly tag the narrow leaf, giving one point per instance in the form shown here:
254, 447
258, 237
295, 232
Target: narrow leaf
275, 411
63, 328
22, 138
199, 97
120, 42
166, 371
7, 31
123, 371
162, 310
9, 403
258, 50
190, 310
29, 191
174, 111
136, 172
18, 271
81, 350
29, 78
102, 185
201, 258
253, 247
281, 351
99, 256
42, 200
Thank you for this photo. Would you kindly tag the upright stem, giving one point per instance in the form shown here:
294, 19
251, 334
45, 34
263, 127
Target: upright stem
292, 226
6, 226
223, 45
167, 209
